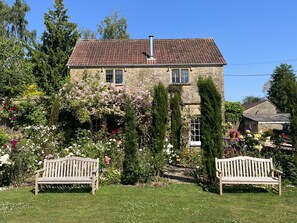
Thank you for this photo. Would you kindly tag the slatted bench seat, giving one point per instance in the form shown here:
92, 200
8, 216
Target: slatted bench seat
247, 170
68, 170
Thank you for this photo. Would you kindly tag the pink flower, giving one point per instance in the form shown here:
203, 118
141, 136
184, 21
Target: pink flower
107, 160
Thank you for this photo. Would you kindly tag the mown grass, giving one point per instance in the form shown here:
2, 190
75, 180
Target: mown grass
168, 203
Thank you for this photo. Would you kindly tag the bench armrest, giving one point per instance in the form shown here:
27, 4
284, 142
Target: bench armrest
95, 171
220, 172
277, 171
39, 171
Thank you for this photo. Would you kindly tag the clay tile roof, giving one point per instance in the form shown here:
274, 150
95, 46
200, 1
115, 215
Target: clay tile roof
135, 52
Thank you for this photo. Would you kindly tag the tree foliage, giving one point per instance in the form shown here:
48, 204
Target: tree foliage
87, 34
277, 94
176, 120
233, 111
292, 108
52, 54
211, 124
113, 27
15, 67
131, 163
159, 117
16, 71
251, 99
159, 126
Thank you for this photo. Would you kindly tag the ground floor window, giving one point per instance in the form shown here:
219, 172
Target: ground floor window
195, 131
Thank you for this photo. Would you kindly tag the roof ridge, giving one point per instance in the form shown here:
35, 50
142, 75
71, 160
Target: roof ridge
198, 38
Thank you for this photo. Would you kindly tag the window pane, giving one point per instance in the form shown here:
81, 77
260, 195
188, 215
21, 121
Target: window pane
184, 76
118, 76
175, 76
109, 76
195, 130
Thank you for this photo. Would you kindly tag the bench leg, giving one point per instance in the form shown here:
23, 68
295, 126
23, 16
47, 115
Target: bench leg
221, 188
279, 185
36, 188
93, 185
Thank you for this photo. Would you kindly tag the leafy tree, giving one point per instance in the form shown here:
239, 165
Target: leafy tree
16, 71
15, 67
113, 27
292, 102
87, 34
176, 120
211, 124
251, 99
4, 18
159, 125
131, 163
233, 111
277, 93
52, 54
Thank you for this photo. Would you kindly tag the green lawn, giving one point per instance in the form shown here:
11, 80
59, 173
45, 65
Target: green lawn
169, 203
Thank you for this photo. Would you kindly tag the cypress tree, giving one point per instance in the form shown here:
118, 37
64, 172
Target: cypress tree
176, 120
159, 117
159, 125
211, 124
131, 163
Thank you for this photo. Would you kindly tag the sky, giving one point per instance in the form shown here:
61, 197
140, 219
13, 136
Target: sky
254, 36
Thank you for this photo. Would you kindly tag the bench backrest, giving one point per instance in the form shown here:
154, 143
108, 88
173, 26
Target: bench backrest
70, 167
244, 166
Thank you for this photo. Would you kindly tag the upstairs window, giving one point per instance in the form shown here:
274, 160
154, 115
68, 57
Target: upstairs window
180, 76
114, 76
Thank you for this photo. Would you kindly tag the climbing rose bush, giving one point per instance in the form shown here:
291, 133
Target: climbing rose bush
90, 98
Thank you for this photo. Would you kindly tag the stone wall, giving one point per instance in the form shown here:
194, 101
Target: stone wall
145, 78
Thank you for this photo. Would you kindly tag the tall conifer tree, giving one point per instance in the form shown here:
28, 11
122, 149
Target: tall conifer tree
176, 120
211, 124
52, 54
130, 164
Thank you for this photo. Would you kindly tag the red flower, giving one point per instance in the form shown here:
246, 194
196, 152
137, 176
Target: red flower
4, 146
13, 108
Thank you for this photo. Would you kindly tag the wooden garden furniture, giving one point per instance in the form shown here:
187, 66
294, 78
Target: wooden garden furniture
68, 170
247, 170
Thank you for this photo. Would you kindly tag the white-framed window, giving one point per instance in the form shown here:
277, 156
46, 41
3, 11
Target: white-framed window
114, 76
180, 76
195, 131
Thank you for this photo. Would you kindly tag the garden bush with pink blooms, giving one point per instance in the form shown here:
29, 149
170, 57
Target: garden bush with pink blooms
84, 101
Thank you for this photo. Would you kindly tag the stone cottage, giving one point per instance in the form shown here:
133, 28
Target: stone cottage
140, 64
263, 116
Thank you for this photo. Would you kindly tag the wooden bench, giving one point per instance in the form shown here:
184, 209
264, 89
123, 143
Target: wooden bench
247, 170
69, 170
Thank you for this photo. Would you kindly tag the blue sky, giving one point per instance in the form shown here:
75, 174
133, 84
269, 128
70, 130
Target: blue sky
254, 36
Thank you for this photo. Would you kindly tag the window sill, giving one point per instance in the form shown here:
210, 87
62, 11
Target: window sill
195, 143
183, 84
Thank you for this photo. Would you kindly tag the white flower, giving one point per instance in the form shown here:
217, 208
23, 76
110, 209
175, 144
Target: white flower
4, 159
169, 146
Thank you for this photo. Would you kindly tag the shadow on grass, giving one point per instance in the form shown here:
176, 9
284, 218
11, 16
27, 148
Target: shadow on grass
63, 189
236, 189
